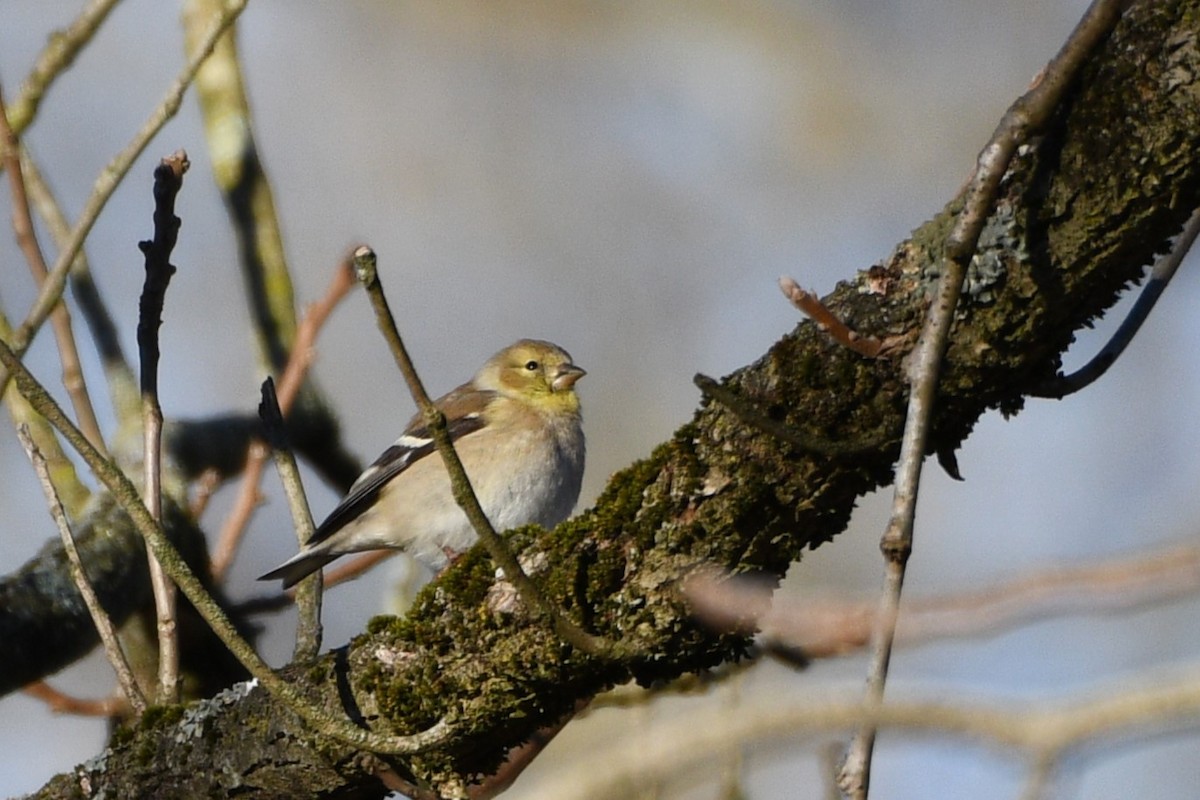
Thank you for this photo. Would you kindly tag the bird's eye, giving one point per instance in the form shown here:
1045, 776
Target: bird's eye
531, 365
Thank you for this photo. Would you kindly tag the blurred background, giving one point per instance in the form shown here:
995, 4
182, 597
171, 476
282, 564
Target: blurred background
628, 179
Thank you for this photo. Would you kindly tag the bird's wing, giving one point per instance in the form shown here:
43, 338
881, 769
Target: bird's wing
463, 408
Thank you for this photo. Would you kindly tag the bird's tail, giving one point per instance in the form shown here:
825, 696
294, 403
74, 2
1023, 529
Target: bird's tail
297, 567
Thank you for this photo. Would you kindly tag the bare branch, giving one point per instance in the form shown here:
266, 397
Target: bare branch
168, 180
60, 318
61, 703
1043, 731
290, 383
828, 627
122, 385
308, 592
55, 59
107, 182
104, 625
1023, 119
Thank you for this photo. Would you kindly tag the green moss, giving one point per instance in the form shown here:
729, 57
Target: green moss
622, 497
387, 625
318, 672
161, 717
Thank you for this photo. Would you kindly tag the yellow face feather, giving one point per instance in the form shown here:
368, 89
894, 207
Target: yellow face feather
536, 372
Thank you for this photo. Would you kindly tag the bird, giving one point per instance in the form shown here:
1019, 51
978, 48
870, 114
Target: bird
517, 428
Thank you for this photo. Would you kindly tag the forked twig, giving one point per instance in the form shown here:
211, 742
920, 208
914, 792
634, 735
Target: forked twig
1025, 117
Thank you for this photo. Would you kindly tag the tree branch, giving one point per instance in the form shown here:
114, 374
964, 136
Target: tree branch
1080, 212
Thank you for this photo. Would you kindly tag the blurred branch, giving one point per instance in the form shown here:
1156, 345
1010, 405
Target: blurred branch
122, 385
240, 176
62, 470
344, 573
61, 703
825, 627
290, 383
243, 183
56, 59
51, 290
60, 318
1042, 731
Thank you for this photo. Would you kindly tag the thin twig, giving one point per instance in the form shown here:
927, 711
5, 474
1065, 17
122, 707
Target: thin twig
128, 498
202, 492
168, 179
299, 361
104, 625
1060, 386
71, 490
60, 318
464, 494
61, 703
106, 183
55, 59
1024, 117
810, 304
118, 375
308, 592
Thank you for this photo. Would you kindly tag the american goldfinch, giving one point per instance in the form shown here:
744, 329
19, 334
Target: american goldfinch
517, 429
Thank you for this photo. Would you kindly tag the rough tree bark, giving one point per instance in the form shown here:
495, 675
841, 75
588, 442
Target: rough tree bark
1081, 212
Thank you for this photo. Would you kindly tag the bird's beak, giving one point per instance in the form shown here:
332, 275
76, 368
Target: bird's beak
565, 377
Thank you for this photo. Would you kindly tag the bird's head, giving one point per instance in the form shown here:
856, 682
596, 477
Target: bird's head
535, 371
